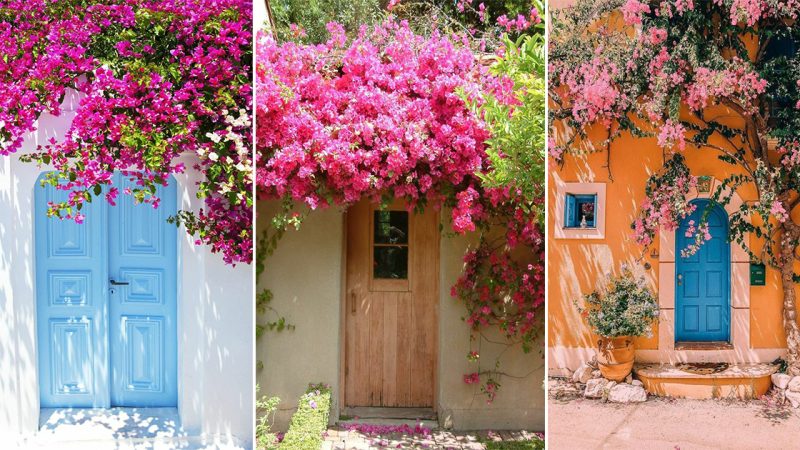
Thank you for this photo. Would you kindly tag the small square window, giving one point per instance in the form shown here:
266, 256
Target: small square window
580, 211
390, 245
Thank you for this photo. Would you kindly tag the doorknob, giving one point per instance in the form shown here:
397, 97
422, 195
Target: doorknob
680, 280
118, 283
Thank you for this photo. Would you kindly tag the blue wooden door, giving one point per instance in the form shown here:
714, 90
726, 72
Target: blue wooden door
702, 284
72, 310
106, 303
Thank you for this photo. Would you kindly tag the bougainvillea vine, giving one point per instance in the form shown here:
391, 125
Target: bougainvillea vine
157, 80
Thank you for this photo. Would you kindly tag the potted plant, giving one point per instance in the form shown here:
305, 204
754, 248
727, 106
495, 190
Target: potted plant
620, 310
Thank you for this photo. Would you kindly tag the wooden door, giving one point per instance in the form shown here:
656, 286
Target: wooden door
392, 306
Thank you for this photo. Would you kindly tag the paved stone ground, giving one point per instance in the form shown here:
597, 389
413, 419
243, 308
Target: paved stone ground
340, 439
670, 424
115, 428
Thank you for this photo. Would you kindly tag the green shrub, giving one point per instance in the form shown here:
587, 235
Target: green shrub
536, 444
310, 421
624, 306
266, 407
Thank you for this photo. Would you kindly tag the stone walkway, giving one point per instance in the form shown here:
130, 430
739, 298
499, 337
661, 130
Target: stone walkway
117, 428
670, 424
342, 439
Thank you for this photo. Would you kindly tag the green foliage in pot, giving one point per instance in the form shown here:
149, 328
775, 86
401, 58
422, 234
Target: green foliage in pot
623, 306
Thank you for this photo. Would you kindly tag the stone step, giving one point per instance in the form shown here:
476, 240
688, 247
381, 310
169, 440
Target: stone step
368, 412
737, 381
430, 424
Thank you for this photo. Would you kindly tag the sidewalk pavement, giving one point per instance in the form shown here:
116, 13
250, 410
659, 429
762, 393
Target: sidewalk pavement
671, 424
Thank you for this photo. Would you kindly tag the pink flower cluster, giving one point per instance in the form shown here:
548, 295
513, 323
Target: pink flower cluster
664, 208
790, 154
505, 292
374, 430
381, 115
147, 99
735, 82
520, 23
672, 135
633, 10
592, 91
699, 233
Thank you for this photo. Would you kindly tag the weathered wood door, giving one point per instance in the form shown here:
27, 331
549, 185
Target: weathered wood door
392, 302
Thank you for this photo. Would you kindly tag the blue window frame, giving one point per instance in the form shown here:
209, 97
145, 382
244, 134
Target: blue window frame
580, 211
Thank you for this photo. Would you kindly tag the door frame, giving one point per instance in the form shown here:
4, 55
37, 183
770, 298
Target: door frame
343, 305
105, 398
740, 350
727, 307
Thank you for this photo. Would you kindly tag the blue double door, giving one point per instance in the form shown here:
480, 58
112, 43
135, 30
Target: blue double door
702, 285
106, 302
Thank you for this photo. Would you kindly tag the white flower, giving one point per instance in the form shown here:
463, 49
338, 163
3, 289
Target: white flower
214, 137
213, 156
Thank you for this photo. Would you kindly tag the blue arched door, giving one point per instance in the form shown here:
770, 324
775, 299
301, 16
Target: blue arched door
702, 280
107, 302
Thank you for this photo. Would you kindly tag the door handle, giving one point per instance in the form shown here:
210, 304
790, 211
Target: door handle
352, 303
118, 283
680, 280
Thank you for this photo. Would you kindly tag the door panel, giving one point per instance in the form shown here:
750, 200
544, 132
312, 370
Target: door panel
143, 328
392, 298
703, 281
71, 304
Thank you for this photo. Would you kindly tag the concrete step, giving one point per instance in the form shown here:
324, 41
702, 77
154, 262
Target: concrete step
706, 381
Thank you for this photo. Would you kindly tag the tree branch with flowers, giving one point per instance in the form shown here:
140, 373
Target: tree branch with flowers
157, 79
392, 114
720, 77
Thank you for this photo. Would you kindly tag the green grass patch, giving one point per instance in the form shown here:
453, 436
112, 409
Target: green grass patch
310, 421
536, 444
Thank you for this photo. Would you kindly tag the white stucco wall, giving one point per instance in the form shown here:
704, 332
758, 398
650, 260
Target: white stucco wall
305, 275
215, 314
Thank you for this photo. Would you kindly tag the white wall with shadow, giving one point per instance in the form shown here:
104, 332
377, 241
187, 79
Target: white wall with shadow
215, 312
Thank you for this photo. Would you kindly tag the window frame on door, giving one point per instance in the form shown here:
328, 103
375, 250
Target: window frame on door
389, 284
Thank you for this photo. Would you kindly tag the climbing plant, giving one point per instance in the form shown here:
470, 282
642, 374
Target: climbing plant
719, 77
157, 79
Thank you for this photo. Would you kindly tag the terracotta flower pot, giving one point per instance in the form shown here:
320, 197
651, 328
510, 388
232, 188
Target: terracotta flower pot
615, 357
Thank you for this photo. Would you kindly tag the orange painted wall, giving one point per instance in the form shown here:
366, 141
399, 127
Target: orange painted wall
576, 265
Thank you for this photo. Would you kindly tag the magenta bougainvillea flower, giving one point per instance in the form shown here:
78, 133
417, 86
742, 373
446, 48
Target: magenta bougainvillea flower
157, 80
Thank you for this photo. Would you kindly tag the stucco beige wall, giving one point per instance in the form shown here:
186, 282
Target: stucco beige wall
520, 402
305, 275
